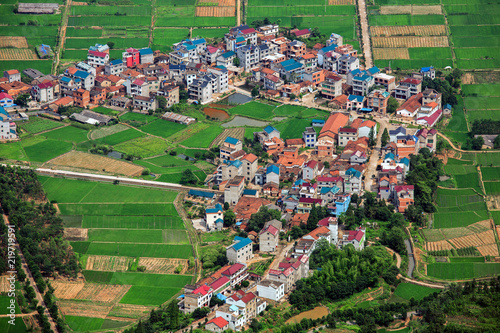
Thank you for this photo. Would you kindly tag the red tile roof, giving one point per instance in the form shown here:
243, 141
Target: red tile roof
411, 81
310, 200
5, 95
219, 282
219, 321
233, 269
98, 54
248, 31
250, 157
401, 188
13, 71
311, 164
301, 32
204, 289
355, 234
332, 125
326, 221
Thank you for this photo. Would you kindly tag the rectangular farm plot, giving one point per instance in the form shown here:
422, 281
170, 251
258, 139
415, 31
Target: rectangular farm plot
141, 250
391, 53
153, 296
150, 280
175, 236
409, 290
119, 137
492, 188
68, 133
204, 138
119, 209
125, 236
408, 30
490, 173
132, 222
460, 271
162, 128
143, 146
46, 150
410, 41
83, 324
37, 124
254, 110
386, 20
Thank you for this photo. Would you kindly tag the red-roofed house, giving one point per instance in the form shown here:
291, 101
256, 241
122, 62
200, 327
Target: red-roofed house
12, 75
236, 273
196, 297
431, 120
310, 170
96, 58
411, 107
304, 33
403, 197
250, 166
220, 285
43, 92
248, 301
426, 138
354, 237
328, 135
306, 204
269, 239
218, 324
139, 87
286, 276
6, 100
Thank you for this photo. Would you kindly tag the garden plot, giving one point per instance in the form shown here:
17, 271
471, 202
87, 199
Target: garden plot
215, 11
237, 133
66, 289
488, 250
17, 54
84, 308
408, 30
163, 265
13, 41
76, 234
108, 263
391, 53
129, 311
81, 160
410, 41
99, 292
437, 246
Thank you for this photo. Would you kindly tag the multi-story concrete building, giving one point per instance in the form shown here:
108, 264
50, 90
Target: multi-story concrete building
309, 137
332, 86
144, 103
377, 101
43, 92
7, 126
12, 75
82, 97
241, 251
249, 166
114, 67
196, 297
96, 58
388, 81
234, 190
271, 290
249, 56
229, 146
269, 238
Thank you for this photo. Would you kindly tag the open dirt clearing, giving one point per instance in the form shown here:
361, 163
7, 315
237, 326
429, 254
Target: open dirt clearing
76, 234
388, 53
81, 160
407, 30
107, 263
410, 41
66, 289
4, 284
410, 9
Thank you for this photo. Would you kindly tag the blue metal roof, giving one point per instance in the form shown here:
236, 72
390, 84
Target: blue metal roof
353, 172
249, 192
236, 163
270, 129
116, 62
218, 208
65, 79
366, 110
363, 77
231, 140
228, 54
199, 41
335, 189
81, 74
318, 121
273, 168
389, 155
447, 106
356, 71
203, 194
291, 67
287, 62
2, 110
221, 297
426, 69
328, 48
241, 242
373, 70
405, 161
356, 98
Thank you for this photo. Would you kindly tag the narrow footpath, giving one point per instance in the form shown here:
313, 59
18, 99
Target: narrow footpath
365, 32
26, 269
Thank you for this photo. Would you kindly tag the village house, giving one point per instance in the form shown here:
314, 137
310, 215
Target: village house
271, 290
241, 251
144, 103
234, 190
328, 135
347, 134
12, 75
229, 146
6, 100
7, 126
218, 324
196, 297
377, 101
427, 139
403, 197
354, 237
249, 163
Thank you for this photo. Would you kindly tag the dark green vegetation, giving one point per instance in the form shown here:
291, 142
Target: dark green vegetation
462, 270
458, 208
409, 290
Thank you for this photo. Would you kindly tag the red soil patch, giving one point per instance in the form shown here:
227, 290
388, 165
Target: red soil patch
216, 113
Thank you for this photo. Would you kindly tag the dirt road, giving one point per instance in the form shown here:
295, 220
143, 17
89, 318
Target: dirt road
367, 46
371, 168
238, 12
26, 269
62, 35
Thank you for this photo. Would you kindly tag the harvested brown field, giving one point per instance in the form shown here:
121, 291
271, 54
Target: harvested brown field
216, 113
4, 284
220, 3
215, 11
468, 78
17, 54
487, 237
340, 2
456, 232
11, 41
408, 30
488, 250
76, 234
163, 265
102, 292
410, 9
107, 263
84, 309
410, 41
66, 289
480, 226
81, 160
236, 132
436, 246
130, 310
388, 53
466, 241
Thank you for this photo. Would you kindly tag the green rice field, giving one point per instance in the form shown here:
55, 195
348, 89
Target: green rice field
409, 290
68, 133
38, 124
162, 128
204, 138
131, 222
458, 208
254, 110
461, 271
490, 173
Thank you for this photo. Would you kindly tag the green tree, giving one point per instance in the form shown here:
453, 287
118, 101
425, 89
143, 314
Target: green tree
392, 105
162, 102
111, 44
385, 137
255, 91
229, 218
326, 164
371, 138
236, 62
22, 100
496, 142
188, 178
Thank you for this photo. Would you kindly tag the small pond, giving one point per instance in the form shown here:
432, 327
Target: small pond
185, 157
316, 313
239, 99
216, 113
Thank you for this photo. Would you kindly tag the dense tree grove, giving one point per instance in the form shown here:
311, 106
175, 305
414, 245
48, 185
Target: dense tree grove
38, 230
485, 126
257, 220
446, 87
343, 273
425, 170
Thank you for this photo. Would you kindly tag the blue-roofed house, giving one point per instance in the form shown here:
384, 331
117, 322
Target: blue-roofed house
228, 169
7, 126
355, 102
212, 215
291, 70
68, 84
114, 67
323, 51
273, 174
86, 78
429, 72
352, 181
318, 122
327, 194
267, 134
372, 71
226, 59
342, 204
447, 110
250, 193
361, 83
389, 157
241, 251
229, 146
